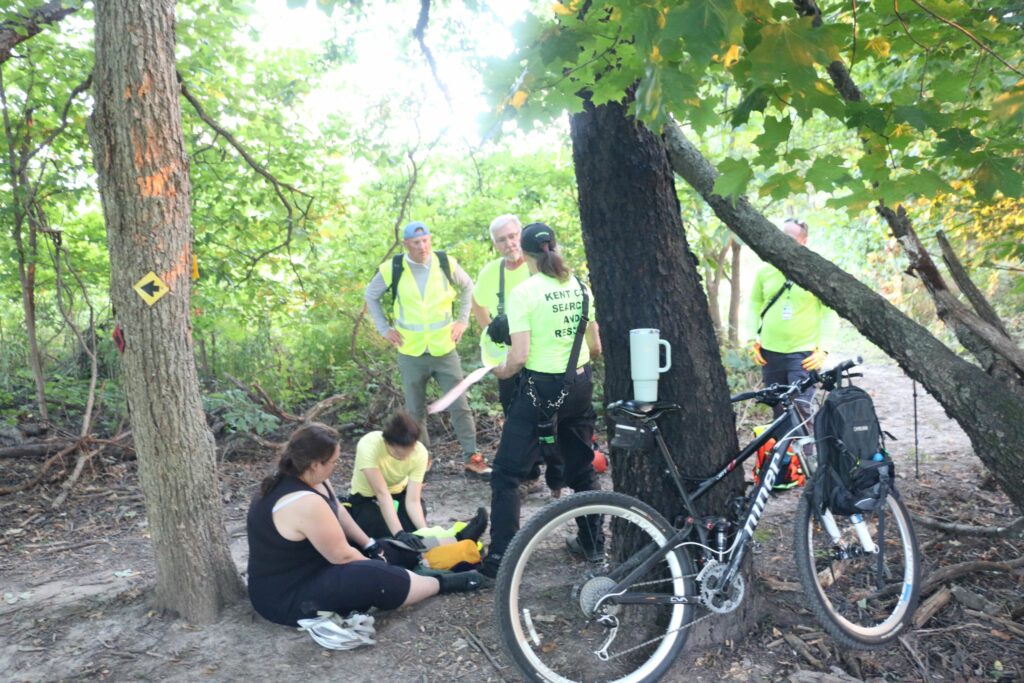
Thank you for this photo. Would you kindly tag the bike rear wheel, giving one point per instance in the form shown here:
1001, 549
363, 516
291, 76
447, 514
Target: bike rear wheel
549, 598
840, 578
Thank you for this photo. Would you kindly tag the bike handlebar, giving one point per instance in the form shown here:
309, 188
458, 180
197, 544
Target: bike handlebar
775, 393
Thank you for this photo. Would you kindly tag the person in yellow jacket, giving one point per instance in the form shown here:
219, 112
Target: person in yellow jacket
424, 331
791, 331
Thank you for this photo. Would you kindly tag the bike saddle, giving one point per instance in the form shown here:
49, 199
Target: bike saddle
642, 410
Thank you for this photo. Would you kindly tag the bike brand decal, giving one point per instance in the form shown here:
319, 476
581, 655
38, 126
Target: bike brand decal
762, 496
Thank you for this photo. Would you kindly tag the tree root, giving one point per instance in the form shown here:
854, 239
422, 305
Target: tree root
1011, 530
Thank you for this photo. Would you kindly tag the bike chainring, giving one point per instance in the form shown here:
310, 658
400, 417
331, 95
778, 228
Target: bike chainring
712, 596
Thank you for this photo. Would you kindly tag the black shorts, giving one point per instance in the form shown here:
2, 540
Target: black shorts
352, 587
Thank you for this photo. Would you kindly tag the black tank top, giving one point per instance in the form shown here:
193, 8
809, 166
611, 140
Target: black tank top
277, 566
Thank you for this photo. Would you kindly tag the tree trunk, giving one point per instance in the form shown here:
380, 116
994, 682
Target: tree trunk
644, 275
990, 413
22, 193
142, 169
735, 289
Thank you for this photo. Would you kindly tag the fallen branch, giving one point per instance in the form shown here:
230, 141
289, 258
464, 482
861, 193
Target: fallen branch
259, 396
41, 473
930, 607
322, 407
34, 449
955, 571
1013, 529
69, 483
916, 658
801, 649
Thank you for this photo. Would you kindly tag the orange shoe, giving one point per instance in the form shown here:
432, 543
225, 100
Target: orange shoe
476, 466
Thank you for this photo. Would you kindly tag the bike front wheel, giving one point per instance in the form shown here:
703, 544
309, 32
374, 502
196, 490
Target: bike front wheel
839, 571
555, 612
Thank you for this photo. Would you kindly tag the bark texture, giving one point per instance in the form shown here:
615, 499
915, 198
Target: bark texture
989, 412
644, 275
139, 155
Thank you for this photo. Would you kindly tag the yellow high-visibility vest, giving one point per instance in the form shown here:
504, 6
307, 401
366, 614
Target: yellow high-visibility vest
424, 320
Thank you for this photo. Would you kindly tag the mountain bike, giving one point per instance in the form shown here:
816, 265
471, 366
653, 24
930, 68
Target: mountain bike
598, 586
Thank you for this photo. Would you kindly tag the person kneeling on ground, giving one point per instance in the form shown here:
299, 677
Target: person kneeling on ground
385, 496
300, 557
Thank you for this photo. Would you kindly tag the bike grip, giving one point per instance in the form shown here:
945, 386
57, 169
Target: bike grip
745, 396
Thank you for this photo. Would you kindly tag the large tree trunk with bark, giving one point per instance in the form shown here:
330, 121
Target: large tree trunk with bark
140, 158
644, 275
991, 413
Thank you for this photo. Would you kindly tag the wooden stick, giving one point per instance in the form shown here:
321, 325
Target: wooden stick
930, 607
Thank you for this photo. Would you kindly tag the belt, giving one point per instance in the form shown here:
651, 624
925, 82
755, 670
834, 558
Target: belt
553, 376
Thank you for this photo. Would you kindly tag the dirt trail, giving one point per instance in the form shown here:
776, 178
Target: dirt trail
73, 606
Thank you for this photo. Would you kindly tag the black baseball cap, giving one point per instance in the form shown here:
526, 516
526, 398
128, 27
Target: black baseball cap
534, 236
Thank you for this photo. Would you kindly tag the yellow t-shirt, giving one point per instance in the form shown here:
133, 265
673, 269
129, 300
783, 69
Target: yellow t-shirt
550, 311
372, 453
485, 291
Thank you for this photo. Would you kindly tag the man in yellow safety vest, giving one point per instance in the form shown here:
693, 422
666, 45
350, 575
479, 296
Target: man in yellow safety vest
423, 287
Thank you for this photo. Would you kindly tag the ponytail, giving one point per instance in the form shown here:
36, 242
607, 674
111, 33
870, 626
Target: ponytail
308, 444
551, 264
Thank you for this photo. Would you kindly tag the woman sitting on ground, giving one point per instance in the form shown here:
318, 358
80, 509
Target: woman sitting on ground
300, 557
385, 497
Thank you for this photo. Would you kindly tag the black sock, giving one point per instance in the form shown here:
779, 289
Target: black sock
476, 527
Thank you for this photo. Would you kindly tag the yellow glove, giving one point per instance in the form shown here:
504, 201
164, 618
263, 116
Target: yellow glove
755, 353
815, 361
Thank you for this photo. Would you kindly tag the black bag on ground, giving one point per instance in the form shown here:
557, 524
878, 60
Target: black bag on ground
854, 470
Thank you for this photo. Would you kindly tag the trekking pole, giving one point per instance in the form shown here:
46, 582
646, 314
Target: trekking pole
917, 462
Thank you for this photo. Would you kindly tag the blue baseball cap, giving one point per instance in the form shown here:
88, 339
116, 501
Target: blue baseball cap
414, 229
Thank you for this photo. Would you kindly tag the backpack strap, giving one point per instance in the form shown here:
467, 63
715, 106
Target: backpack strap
501, 288
446, 267
581, 329
397, 264
786, 285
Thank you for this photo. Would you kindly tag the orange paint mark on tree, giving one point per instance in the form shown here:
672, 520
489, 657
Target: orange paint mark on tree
147, 85
157, 184
182, 266
127, 92
146, 151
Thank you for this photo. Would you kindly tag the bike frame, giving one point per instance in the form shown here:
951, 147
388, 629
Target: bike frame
788, 427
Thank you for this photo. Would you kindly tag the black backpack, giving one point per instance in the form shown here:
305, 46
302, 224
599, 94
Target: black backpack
854, 470
398, 264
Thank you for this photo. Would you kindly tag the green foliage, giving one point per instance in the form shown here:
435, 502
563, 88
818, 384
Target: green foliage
239, 413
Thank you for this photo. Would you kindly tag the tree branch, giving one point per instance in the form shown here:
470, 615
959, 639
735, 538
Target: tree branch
420, 34
277, 185
949, 308
1014, 528
967, 286
974, 38
78, 90
13, 33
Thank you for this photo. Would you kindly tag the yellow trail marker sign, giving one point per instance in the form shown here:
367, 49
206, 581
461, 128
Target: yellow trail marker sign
151, 288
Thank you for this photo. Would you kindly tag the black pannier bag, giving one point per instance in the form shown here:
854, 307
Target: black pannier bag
854, 470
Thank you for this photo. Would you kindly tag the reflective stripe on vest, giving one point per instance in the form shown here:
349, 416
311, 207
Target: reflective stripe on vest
424, 320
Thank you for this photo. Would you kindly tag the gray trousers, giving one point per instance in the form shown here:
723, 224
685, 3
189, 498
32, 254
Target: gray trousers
786, 368
447, 370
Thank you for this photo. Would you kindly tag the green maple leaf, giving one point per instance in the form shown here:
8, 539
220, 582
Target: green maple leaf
705, 26
997, 174
790, 47
734, 176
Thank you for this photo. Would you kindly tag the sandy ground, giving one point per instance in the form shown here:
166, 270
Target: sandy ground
74, 589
